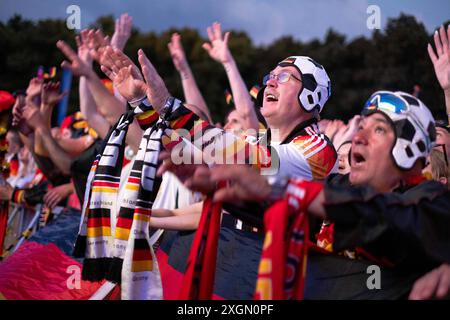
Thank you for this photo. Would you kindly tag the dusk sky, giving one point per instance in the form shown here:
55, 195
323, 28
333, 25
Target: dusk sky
263, 20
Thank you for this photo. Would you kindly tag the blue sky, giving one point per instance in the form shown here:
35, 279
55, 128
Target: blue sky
263, 20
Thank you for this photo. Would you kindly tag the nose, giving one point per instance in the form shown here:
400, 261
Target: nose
272, 82
360, 138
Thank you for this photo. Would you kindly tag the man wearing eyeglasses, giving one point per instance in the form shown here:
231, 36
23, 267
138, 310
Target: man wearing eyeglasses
295, 93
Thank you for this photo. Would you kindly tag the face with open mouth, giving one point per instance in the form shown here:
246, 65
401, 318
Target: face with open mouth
371, 160
280, 102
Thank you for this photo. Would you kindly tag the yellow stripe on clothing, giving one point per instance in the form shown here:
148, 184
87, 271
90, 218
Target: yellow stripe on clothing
99, 231
140, 266
122, 233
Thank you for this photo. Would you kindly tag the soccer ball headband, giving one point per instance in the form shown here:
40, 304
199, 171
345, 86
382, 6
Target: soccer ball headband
316, 85
413, 123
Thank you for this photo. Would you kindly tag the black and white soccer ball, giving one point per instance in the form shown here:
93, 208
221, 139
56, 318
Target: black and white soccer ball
316, 85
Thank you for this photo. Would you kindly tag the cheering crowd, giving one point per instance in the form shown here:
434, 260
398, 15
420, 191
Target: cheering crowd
275, 204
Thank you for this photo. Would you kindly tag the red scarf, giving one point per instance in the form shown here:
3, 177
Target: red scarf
282, 267
4, 208
198, 281
283, 262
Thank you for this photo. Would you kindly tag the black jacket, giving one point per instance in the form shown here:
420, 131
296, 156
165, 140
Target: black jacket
408, 226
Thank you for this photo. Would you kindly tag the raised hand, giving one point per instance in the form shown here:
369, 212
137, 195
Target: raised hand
332, 128
83, 48
122, 31
50, 95
97, 43
346, 132
17, 113
217, 48
115, 58
177, 53
129, 87
76, 65
441, 58
17, 110
157, 92
34, 88
32, 116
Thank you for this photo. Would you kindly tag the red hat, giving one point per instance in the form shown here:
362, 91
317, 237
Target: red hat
6, 100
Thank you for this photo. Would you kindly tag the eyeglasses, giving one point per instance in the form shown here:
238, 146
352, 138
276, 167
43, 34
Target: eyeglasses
282, 77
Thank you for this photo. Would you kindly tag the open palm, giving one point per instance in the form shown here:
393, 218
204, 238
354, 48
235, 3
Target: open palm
50, 94
177, 53
129, 87
76, 65
218, 46
441, 59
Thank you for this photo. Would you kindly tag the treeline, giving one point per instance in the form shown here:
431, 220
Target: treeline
395, 59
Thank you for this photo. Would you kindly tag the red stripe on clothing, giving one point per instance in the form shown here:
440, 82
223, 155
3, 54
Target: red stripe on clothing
134, 180
99, 222
140, 255
180, 123
149, 119
105, 184
143, 211
124, 223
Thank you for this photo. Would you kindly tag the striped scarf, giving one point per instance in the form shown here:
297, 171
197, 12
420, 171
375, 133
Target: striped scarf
198, 282
116, 245
282, 268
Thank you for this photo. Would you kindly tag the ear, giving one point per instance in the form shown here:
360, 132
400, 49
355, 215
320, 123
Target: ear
443, 180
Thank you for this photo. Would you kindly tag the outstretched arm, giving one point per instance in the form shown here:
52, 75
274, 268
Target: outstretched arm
184, 222
218, 49
122, 33
59, 157
441, 62
195, 208
191, 91
186, 218
417, 217
50, 96
88, 107
107, 104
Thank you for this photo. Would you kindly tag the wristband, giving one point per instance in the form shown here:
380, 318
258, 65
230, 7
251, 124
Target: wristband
135, 103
